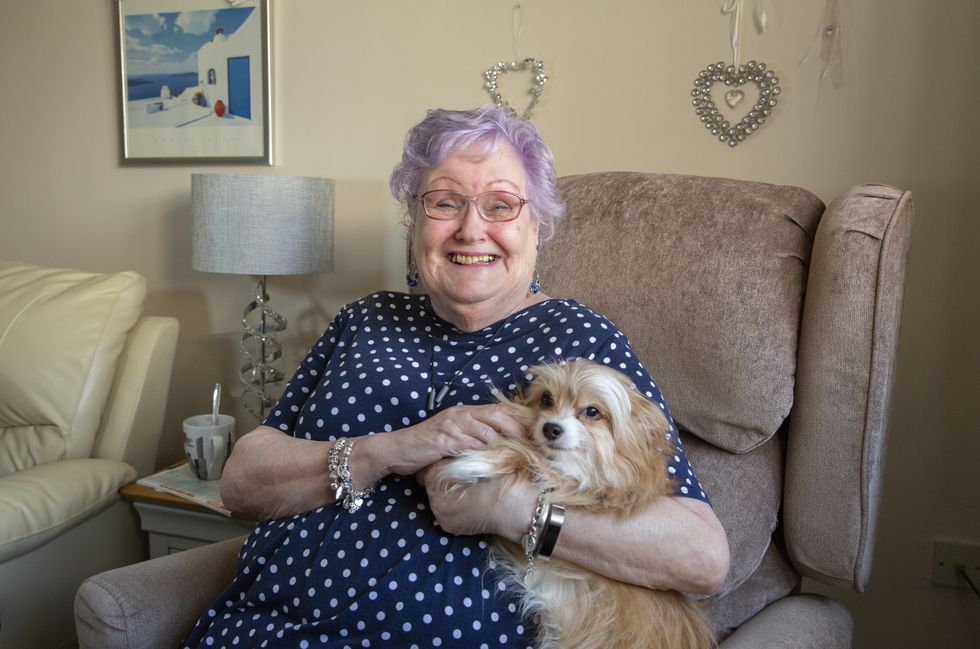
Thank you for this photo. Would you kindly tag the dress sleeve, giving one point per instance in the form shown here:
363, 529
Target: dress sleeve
616, 352
284, 414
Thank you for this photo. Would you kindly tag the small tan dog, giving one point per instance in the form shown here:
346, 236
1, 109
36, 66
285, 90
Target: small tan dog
602, 446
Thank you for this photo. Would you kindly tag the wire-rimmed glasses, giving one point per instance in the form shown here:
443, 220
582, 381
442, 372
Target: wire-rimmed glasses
495, 206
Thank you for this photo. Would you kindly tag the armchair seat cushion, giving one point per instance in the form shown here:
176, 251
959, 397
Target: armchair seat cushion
39, 503
796, 622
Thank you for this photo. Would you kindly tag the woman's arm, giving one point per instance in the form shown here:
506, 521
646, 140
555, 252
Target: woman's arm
272, 474
675, 543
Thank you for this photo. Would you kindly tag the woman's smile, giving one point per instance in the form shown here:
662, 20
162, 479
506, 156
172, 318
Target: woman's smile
470, 260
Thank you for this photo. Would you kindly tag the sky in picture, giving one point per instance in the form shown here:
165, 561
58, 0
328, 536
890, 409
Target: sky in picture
168, 43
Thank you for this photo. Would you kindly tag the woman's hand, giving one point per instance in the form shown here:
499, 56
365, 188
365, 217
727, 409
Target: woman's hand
502, 507
446, 434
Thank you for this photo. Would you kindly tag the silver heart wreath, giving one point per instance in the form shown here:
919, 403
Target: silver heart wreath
537, 82
707, 109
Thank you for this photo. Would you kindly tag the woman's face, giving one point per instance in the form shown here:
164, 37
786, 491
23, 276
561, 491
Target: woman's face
476, 272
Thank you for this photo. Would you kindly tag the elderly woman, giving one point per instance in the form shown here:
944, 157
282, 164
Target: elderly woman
356, 549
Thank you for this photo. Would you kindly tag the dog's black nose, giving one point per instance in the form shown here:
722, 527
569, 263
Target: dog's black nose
552, 430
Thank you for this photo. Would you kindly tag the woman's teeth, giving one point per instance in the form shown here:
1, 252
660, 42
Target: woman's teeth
471, 259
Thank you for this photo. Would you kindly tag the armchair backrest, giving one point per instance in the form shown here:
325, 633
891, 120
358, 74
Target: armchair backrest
734, 294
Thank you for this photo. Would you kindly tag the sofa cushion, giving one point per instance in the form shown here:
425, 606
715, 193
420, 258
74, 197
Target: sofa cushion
39, 503
706, 277
61, 333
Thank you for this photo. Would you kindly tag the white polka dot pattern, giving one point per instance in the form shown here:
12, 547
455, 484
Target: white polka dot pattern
386, 576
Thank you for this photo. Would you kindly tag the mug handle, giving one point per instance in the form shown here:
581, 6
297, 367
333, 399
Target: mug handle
218, 456
217, 448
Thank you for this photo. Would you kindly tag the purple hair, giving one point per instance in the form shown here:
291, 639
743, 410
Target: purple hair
479, 132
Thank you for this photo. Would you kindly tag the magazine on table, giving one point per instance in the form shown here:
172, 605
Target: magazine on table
181, 481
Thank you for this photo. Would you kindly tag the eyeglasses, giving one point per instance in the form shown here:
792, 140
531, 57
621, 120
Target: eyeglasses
496, 207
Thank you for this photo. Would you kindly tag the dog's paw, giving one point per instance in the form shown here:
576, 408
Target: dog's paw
467, 468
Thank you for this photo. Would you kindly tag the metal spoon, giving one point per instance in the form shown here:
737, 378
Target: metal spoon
215, 403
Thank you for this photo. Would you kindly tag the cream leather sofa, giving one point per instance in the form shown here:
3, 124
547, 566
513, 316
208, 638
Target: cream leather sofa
83, 386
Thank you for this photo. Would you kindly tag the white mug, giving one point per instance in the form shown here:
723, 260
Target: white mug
208, 444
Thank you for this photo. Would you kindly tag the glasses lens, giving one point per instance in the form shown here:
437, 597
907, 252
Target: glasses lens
441, 204
500, 206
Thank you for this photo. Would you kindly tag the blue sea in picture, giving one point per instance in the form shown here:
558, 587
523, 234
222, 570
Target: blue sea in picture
146, 86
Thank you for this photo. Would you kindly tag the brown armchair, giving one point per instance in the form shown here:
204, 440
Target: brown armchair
771, 323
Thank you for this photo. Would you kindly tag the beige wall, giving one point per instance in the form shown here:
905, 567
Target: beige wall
351, 77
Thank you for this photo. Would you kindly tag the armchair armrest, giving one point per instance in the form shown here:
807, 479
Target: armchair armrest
154, 603
796, 622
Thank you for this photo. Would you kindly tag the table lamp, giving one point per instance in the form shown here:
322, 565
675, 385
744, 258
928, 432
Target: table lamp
261, 225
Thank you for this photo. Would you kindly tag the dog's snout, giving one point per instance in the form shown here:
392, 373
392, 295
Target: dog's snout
552, 430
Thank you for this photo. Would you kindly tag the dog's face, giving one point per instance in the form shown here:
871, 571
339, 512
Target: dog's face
588, 420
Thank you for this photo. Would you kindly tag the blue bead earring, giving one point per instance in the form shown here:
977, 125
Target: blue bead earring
536, 282
412, 276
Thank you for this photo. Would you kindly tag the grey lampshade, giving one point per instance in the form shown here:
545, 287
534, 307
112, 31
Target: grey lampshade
262, 225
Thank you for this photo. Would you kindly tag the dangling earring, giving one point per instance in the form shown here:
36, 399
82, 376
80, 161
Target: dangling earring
412, 277
536, 282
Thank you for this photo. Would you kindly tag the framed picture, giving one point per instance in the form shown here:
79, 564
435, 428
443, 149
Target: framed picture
195, 81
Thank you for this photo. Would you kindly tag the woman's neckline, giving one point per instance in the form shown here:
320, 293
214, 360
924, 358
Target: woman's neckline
491, 327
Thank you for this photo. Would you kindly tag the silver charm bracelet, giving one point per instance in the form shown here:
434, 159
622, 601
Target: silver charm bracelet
344, 492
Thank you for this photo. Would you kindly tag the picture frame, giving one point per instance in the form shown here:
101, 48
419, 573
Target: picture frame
195, 81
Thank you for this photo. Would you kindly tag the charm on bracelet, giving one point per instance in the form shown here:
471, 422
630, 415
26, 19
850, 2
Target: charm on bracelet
345, 494
531, 542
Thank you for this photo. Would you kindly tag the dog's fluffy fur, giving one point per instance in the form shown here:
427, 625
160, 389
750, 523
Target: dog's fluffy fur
610, 455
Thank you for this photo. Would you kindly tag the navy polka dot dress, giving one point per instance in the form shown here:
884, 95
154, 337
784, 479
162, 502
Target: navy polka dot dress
386, 575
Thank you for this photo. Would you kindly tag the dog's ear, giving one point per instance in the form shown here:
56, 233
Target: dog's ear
518, 404
646, 436
528, 388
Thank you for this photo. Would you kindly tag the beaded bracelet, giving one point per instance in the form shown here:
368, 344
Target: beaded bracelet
344, 491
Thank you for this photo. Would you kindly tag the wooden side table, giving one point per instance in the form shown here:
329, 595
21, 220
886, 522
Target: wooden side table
174, 524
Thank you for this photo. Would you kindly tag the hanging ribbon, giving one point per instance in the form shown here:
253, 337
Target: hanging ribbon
518, 29
759, 15
829, 35
734, 7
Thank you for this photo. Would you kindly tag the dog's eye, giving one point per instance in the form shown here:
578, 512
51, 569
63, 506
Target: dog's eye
592, 413
546, 400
